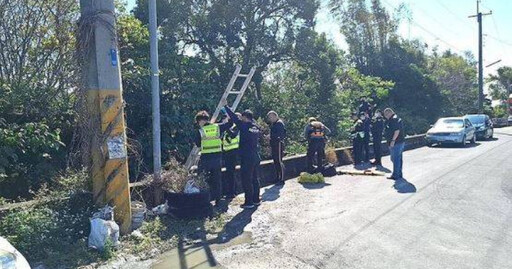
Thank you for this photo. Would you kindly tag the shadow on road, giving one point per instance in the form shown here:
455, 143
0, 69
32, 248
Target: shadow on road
404, 186
314, 186
272, 193
453, 145
235, 226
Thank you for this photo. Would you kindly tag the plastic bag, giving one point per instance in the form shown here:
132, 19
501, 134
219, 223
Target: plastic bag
161, 209
102, 231
10, 257
191, 187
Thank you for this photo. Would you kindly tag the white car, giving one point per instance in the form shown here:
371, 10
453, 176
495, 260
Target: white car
458, 130
10, 257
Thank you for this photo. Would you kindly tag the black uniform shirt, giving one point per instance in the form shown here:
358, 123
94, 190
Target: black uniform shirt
277, 132
393, 124
377, 127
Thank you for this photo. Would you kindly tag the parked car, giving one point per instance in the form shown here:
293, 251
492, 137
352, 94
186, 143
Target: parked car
484, 128
453, 130
10, 257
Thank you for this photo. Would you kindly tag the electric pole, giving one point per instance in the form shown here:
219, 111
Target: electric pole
155, 94
106, 137
479, 16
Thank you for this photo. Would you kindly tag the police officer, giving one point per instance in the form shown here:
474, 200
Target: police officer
357, 134
230, 144
364, 117
277, 136
316, 134
250, 133
208, 139
377, 130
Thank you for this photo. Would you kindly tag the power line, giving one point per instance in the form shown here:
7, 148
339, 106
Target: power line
427, 31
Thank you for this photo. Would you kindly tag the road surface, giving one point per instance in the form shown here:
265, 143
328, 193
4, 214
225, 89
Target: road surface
453, 211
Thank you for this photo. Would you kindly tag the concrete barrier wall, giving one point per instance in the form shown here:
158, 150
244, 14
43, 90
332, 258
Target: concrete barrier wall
296, 164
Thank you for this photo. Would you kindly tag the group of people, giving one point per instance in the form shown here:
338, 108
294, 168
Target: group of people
237, 136
371, 122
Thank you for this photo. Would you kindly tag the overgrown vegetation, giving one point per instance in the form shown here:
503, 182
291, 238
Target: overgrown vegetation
300, 73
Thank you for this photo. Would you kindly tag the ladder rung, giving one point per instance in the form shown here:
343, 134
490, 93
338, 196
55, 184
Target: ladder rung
234, 92
242, 75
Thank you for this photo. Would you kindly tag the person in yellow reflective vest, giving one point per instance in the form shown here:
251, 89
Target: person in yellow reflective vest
209, 140
230, 144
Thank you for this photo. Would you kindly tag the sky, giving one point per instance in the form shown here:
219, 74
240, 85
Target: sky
443, 23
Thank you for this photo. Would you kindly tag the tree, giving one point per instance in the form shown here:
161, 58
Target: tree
37, 82
501, 84
226, 32
457, 79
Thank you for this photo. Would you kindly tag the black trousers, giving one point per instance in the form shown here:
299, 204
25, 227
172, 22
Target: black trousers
366, 147
230, 160
315, 147
277, 157
211, 167
250, 182
357, 150
377, 148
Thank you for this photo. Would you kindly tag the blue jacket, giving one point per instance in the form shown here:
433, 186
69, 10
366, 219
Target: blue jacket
250, 133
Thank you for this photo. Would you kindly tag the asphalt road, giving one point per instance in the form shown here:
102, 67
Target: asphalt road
453, 211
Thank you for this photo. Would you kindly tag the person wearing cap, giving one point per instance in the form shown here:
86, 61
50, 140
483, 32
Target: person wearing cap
277, 136
230, 145
209, 140
250, 133
316, 134
377, 130
357, 134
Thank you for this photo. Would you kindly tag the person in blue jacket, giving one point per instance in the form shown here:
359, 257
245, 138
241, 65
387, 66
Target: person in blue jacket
248, 150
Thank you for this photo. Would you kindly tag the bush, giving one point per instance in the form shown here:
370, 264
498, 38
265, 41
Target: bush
175, 177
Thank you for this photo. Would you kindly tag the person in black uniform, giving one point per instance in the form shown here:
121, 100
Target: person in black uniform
277, 136
208, 138
230, 145
357, 134
250, 133
366, 140
316, 134
377, 130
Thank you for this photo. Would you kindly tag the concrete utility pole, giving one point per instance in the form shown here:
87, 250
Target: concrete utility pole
109, 168
155, 94
480, 57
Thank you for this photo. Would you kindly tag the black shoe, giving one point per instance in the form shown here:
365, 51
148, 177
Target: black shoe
247, 206
391, 177
376, 163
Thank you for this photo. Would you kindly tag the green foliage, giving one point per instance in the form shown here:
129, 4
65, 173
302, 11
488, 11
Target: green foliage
501, 84
30, 154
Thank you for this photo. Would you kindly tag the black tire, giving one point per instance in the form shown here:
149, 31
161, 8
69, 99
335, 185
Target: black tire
473, 141
492, 134
429, 144
463, 143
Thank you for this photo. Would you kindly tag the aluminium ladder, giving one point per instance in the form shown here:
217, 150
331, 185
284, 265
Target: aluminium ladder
193, 157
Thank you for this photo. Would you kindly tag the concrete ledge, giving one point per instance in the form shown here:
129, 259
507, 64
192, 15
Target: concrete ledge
296, 164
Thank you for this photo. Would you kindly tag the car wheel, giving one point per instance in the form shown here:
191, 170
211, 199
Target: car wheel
473, 141
429, 144
492, 134
463, 144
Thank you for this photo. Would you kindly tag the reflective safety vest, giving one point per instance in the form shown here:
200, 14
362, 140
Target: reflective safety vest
210, 139
229, 143
318, 130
